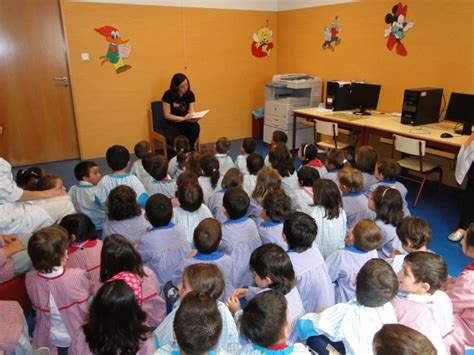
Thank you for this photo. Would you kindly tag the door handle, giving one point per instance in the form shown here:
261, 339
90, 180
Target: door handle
63, 79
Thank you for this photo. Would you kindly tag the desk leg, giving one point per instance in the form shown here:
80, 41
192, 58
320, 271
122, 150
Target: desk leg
365, 135
294, 133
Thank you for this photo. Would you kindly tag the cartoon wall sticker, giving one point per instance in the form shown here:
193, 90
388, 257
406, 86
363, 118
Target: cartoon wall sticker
397, 29
118, 50
331, 35
262, 44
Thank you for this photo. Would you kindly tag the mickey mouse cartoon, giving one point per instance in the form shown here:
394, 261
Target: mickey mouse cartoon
397, 29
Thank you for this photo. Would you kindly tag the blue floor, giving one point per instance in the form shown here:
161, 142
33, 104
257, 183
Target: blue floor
440, 208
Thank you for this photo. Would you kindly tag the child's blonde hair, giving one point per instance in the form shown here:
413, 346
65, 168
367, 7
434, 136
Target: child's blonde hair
351, 179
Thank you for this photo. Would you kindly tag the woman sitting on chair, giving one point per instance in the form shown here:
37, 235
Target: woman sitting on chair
178, 108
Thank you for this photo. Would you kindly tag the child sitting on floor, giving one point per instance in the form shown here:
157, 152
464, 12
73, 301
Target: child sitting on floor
276, 206
248, 147
399, 339
366, 157
141, 149
210, 179
308, 154
282, 161
159, 182
277, 137
222, 154
181, 148
303, 196
254, 165
335, 162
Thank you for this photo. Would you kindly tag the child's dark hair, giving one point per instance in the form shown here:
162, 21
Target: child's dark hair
118, 255
307, 176
388, 204
277, 205
279, 137
122, 203
47, 248
79, 225
300, 231
159, 210
156, 165
366, 157
367, 235
197, 324
376, 283
388, 168
327, 194
190, 196
141, 149
268, 179
193, 164
309, 152
83, 169
351, 179
336, 158
205, 278
207, 236
210, 167
182, 147
113, 313
26, 179
47, 182
281, 160
117, 157
249, 145
264, 318
428, 268
232, 178
236, 202
270, 260
223, 145
416, 230
397, 339
469, 236
255, 162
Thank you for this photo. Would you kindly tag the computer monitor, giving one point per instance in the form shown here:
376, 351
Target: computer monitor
364, 97
461, 109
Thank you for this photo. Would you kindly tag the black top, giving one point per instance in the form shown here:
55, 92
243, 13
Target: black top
179, 105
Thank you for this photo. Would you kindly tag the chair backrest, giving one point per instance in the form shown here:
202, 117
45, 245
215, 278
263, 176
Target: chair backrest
159, 120
409, 145
326, 128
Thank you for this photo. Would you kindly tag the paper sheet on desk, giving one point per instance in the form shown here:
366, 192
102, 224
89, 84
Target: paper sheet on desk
322, 109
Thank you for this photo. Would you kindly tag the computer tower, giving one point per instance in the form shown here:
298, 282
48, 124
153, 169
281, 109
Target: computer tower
338, 97
421, 106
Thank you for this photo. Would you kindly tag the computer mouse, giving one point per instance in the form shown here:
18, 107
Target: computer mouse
446, 135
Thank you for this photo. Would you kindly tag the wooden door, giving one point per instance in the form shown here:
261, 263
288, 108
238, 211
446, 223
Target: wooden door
36, 111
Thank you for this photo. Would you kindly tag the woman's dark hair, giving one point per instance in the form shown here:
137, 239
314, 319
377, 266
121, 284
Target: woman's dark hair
156, 165
309, 152
255, 162
264, 318
277, 205
416, 230
281, 160
300, 230
176, 80
47, 247
197, 323
26, 179
79, 225
270, 260
118, 255
388, 204
192, 163
366, 157
210, 168
327, 194
190, 196
117, 157
376, 283
159, 210
122, 203
336, 158
232, 178
398, 339
182, 147
116, 321
429, 268
307, 176
236, 202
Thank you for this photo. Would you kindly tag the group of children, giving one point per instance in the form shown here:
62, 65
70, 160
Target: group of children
202, 255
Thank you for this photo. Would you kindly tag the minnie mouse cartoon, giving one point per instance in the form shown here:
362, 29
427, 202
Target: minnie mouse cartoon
397, 29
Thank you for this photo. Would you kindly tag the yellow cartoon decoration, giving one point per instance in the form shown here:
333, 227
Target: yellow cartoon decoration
262, 44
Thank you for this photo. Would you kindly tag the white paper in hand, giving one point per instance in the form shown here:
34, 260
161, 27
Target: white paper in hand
198, 115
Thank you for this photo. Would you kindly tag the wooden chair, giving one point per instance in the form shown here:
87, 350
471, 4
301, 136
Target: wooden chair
416, 149
156, 124
329, 129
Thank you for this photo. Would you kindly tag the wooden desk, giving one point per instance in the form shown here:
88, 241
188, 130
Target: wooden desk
386, 125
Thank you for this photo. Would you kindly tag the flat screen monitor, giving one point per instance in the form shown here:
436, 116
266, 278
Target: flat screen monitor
461, 109
365, 97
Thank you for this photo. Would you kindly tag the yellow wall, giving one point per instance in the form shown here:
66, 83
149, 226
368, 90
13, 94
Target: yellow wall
440, 46
215, 44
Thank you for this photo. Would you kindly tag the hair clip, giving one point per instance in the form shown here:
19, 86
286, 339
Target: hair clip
388, 188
